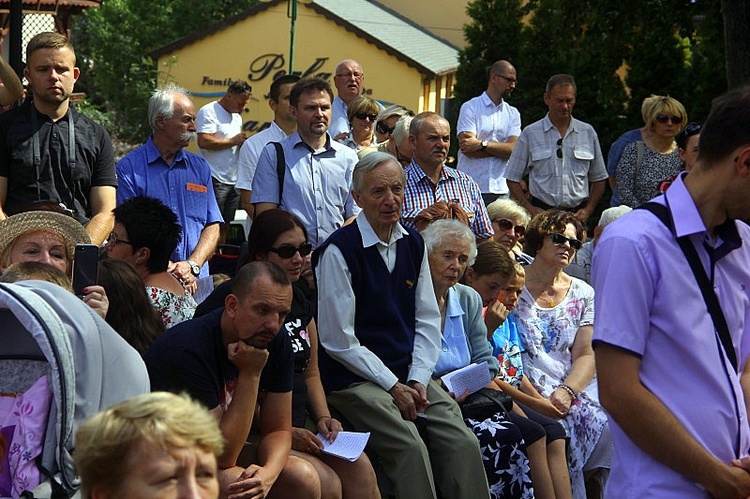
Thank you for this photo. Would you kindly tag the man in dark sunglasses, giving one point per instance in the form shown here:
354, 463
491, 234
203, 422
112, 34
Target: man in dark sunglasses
561, 156
488, 128
672, 325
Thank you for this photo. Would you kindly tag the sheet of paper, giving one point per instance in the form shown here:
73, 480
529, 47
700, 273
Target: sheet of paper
205, 288
472, 377
348, 444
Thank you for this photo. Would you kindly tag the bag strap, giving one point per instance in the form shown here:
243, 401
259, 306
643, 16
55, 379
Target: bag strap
280, 167
707, 290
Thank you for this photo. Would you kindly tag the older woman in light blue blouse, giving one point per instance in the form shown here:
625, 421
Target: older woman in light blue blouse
451, 248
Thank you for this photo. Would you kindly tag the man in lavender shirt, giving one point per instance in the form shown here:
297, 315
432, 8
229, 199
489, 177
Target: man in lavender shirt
677, 408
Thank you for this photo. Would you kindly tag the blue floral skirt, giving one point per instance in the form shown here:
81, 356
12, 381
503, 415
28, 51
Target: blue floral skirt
504, 455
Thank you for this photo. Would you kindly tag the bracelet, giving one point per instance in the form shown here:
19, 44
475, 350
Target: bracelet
568, 389
317, 420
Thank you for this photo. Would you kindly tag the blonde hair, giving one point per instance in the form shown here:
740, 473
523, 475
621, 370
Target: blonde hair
165, 420
655, 105
38, 271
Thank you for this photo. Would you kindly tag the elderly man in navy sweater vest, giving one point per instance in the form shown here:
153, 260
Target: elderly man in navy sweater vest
379, 328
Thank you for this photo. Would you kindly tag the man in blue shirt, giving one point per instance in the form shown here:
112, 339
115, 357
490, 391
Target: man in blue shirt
182, 180
317, 170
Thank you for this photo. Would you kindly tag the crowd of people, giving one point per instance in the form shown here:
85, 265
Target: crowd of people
372, 269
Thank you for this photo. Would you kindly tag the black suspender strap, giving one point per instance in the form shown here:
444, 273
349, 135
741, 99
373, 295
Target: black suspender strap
37, 152
707, 289
280, 168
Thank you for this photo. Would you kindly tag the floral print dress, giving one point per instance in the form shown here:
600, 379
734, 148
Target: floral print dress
548, 335
172, 308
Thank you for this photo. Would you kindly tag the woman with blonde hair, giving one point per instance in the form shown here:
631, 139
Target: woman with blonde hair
645, 163
362, 113
156, 445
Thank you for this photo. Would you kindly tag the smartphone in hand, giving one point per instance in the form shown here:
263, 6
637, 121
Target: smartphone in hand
85, 267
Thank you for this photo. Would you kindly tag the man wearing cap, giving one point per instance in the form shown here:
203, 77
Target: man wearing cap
162, 169
282, 126
488, 128
50, 152
219, 126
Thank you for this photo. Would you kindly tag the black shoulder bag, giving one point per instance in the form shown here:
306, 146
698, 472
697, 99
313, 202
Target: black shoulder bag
280, 168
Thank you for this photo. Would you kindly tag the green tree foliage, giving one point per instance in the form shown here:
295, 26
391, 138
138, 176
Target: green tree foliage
113, 42
619, 53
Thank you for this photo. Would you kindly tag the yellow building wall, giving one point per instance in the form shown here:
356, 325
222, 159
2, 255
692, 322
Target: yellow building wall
257, 50
444, 18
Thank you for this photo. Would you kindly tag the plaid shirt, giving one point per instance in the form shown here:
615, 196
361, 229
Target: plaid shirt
453, 186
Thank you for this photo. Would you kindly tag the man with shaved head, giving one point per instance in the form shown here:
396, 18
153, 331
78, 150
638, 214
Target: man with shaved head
488, 128
350, 84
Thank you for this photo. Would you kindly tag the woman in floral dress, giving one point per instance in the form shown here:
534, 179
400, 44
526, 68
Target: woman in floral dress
555, 316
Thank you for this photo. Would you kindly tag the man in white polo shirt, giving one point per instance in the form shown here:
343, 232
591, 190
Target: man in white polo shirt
488, 128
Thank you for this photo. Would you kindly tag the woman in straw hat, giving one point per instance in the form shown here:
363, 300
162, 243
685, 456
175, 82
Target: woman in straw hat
48, 237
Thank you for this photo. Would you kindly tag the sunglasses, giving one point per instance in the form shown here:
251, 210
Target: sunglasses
663, 118
288, 251
366, 116
559, 148
384, 129
560, 240
506, 224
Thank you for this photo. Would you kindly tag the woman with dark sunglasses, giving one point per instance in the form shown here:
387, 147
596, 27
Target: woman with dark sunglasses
362, 113
509, 221
645, 163
555, 315
280, 237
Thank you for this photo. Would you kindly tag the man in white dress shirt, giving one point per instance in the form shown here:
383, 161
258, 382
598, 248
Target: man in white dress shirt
282, 126
488, 128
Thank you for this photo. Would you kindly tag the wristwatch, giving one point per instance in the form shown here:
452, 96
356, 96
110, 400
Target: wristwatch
195, 269
485, 143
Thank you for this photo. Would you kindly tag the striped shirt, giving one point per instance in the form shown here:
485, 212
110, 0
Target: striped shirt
453, 186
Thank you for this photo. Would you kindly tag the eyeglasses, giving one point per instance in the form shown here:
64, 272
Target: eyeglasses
510, 81
288, 251
663, 118
559, 148
560, 240
112, 239
355, 75
366, 116
384, 129
506, 224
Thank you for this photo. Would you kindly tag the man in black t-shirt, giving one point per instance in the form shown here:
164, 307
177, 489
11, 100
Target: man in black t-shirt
232, 360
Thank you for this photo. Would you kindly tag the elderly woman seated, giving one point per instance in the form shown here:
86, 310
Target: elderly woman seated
509, 221
48, 237
397, 144
451, 248
155, 445
145, 235
362, 113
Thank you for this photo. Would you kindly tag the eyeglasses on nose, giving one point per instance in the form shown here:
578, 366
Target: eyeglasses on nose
366, 116
560, 240
381, 127
559, 148
663, 118
511, 81
506, 224
112, 239
288, 250
354, 75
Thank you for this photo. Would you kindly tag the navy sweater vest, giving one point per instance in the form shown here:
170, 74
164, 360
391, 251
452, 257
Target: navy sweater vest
384, 319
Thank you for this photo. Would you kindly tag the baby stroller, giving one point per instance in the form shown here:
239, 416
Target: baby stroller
60, 364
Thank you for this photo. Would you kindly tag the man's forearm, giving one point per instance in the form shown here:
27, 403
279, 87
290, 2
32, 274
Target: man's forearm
206, 244
517, 194
237, 420
273, 451
100, 226
595, 194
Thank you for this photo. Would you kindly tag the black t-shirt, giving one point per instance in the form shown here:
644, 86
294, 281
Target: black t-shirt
191, 357
54, 179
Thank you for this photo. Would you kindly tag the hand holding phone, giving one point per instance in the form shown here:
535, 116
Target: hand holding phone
85, 267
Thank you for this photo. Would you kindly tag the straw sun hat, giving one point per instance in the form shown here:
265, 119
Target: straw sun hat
66, 226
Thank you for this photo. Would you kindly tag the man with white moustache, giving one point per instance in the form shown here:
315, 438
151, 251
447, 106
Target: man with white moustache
161, 168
